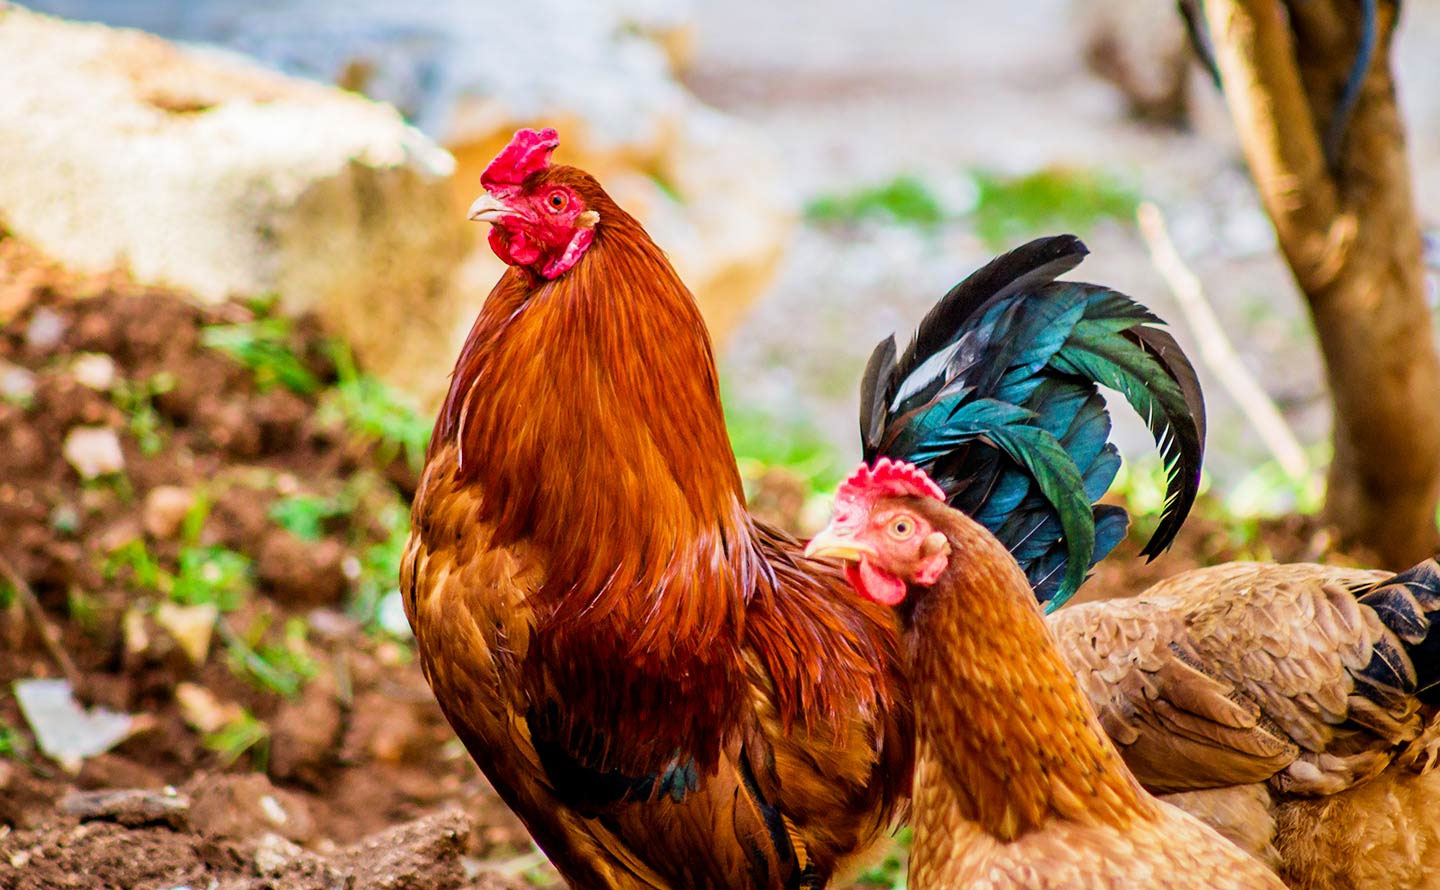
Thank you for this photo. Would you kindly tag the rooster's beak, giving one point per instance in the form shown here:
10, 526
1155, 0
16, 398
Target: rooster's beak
834, 544
488, 208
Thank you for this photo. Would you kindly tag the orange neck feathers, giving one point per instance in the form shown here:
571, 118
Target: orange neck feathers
1002, 721
587, 411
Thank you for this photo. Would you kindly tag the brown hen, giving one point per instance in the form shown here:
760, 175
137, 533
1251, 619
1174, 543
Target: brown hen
1017, 787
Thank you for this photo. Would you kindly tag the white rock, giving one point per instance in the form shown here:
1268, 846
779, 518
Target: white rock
63, 730
93, 451
601, 71
200, 170
202, 711
191, 626
17, 384
95, 370
46, 326
273, 854
165, 509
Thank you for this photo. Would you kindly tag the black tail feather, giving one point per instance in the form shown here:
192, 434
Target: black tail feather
996, 396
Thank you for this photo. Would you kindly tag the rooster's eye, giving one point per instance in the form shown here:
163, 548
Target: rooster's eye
557, 201
902, 527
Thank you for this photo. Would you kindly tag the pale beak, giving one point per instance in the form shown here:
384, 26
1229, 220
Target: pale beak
488, 208
833, 544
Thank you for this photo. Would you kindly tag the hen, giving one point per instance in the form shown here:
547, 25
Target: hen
666, 691
1257, 691
1017, 787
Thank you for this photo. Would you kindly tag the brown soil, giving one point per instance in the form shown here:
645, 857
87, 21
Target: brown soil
360, 784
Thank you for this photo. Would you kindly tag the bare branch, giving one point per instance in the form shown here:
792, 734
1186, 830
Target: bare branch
49, 634
1218, 353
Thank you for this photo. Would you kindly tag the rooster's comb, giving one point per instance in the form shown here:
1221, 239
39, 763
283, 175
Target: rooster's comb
888, 478
528, 152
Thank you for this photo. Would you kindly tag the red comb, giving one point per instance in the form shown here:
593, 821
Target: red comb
888, 478
528, 151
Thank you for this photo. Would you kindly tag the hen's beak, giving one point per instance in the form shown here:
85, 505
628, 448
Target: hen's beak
488, 208
834, 544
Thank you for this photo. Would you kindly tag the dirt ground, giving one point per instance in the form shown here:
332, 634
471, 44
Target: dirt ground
349, 776
359, 782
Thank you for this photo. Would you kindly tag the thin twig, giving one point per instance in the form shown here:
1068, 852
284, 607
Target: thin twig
1216, 350
49, 634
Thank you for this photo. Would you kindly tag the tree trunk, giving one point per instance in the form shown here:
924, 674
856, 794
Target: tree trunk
1352, 239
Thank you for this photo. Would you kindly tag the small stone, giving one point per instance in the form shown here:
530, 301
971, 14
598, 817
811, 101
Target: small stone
274, 854
95, 370
17, 384
93, 451
166, 507
46, 328
63, 730
131, 807
390, 614
331, 625
270, 808
191, 626
202, 711
136, 635
65, 519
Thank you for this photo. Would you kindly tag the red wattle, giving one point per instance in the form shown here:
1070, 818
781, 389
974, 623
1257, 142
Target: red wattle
875, 584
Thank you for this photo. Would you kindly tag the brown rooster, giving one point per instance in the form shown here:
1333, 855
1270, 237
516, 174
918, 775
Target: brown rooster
666, 691
1017, 787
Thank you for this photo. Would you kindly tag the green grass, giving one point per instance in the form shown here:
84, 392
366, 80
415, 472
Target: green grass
905, 200
244, 733
83, 609
1004, 208
375, 412
379, 579
667, 186
265, 347
306, 515
204, 573
281, 667
890, 872
1267, 490
762, 441
136, 400
1054, 199
12, 742
211, 574
145, 570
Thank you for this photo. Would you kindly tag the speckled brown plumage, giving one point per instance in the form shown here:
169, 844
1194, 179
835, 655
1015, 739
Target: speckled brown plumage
1016, 784
1251, 688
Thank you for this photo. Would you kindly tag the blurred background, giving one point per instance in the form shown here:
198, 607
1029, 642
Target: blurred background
232, 287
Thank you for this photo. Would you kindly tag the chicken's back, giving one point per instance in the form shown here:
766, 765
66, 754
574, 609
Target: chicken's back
1173, 852
1247, 672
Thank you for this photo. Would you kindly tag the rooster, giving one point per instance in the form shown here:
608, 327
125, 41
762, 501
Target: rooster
1017, 786
667, 691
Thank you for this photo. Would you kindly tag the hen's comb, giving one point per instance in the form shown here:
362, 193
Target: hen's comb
528, 152
888, 478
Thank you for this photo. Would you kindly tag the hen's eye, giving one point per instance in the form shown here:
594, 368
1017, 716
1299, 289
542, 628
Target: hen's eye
902, 527
557, 201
